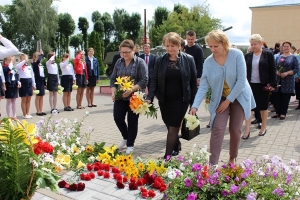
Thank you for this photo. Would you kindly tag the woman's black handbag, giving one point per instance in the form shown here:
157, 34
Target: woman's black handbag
188, 134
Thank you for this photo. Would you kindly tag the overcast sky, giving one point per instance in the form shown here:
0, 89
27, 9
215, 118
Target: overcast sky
235, 13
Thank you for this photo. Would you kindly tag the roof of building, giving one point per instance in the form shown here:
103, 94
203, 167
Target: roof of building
280, 3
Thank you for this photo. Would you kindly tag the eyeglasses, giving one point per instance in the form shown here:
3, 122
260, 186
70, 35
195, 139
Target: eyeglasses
125, 52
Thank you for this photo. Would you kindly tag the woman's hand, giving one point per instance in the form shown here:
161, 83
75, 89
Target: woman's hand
193, 111
113, 98
4, 86
223, 105
148, 101
126, 93
283, 75
271, 88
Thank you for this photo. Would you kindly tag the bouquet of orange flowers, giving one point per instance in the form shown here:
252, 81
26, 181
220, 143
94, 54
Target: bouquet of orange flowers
139, 106
125, 83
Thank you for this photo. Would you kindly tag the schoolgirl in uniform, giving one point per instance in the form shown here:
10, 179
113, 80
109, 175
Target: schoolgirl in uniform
81, 77
2, 84
39, 76
12, 85
52, 81
27, 84
67, 81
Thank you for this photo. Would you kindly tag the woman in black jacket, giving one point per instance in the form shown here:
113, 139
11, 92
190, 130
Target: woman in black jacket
261, 75
175, 86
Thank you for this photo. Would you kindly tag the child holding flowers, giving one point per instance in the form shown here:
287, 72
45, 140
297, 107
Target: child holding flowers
135, 68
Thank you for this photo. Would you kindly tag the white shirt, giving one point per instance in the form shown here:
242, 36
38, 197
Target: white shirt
52, 68
27, 72
67, 68
9, 50
10, 66
41, 70
2, 74
255, 69
91, 59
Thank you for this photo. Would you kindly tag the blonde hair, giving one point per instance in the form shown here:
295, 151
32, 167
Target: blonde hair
23, 56
89, 49
218, 36
7, 59
35, 55
255, 38
173, 38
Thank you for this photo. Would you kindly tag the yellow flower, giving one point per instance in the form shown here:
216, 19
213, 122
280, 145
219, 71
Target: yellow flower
80, 165
119, 81
59, 158
127, 86
141, 166
151, 167
29, 135
67, 160
113, 148
161, 170
108, 150
89, 149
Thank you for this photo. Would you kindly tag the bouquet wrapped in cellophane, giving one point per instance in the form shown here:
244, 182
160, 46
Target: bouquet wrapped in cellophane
139, 106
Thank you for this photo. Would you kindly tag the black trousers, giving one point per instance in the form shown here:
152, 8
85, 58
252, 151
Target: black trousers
129, 130
282, 102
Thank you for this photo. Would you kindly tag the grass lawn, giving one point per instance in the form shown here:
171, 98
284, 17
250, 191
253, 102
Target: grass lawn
103, 82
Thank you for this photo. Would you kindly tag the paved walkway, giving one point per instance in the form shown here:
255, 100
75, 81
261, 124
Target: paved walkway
282, 139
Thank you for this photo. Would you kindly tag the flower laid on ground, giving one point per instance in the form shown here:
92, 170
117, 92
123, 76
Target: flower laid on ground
139, 106
22, 171
280, 67
125, 83
191, 177
192, 121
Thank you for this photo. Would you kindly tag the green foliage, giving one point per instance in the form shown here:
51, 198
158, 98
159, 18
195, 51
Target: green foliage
66, 29
96, 16
94, 41
160, 15
132, 26
83, 25
76, 42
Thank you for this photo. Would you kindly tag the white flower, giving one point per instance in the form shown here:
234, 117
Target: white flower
75, 120
293, 162
266, 157
182, 167
194, 145
35, 164
91, 159
139, 94
171, 175
54, 112
78, 140
66, 120
46, 169
63, 146
90, 129
87, 113
54, 143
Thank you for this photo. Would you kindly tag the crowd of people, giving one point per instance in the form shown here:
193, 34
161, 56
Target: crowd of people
25, 78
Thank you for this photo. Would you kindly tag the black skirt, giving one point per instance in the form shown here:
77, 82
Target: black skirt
92, 81
67, 82
261, 97
1, 88
52, 82
40, 85
26, 87
11, 91
81, 80
173, 112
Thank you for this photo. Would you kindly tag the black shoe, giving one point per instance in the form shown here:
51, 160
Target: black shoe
262, 133
207, 126
94, 105
175, 153
39, 114
259, 125
71, 108
43, 113
255, 121
246, 138
67, 109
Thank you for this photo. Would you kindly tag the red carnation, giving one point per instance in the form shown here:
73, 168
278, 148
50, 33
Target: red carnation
120, 185
119, 178
106, 175
140, 182
87, 177
92, 175
80, 186
125, 179
132, 179
100, 172
63, 184
82, 176
47, 147
115, 170
157, 184
73, 187
96, 167
143, 189
145, 194
133, 186
163, 188
151, 193
89, 167
106, 167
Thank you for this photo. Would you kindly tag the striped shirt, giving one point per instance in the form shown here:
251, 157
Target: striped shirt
136, 70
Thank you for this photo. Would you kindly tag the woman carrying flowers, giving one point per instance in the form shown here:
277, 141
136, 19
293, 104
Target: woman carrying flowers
288, 65
224, 71
175, 84
134, 68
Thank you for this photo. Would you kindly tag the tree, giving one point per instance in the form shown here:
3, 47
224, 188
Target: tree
76, 42
119, 16
66, 29
83, 25
94, 42
160, 15
96, 16
108, 28
99, 28
132, 26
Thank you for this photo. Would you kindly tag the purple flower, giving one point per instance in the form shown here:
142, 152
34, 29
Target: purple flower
234, 189
251, 196
248, 163
275, 174
225, 193
168, 157
191, 196
244, 184
186, 163
200, 183
244, 175
237, 179
187, 182
180, 158
216, 175
196, 167
288, 179
154, 174
278, 191
224, 166
227, 178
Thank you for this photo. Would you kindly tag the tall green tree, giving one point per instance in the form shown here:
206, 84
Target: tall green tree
83, 25
66, 28
99, 28
108, 28
76, 41
132, 26
160, 15
94, 42
96, 16
119, 16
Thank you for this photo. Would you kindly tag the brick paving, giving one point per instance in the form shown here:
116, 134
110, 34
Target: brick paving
282, 139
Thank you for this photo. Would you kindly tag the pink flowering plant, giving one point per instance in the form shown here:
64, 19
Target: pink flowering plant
191, 177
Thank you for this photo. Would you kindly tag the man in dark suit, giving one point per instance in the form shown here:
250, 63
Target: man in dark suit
150, 61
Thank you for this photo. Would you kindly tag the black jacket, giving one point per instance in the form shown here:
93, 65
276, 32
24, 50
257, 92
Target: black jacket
267, 69
188, 75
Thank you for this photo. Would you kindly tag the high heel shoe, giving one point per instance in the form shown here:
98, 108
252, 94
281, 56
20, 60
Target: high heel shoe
245, 138
262, 133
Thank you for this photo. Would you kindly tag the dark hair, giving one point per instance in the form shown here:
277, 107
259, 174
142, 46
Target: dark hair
277, 45
191, 33
50, 55
287, 43
127, 43
65, 55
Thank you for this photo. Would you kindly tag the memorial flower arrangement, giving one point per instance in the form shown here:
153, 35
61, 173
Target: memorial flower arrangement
21, 171
139, 105
125, 83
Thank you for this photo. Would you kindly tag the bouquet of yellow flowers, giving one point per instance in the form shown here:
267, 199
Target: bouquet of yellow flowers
125, 83
139, 106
